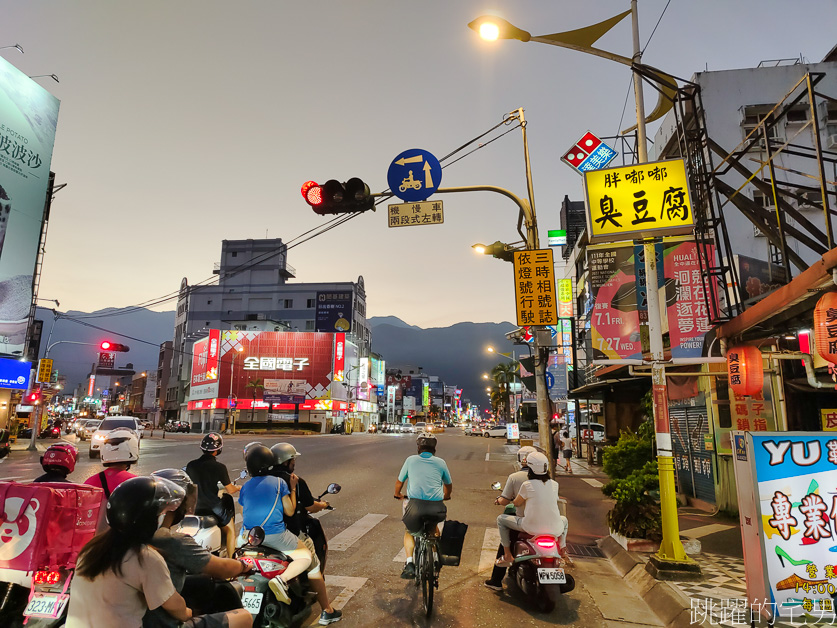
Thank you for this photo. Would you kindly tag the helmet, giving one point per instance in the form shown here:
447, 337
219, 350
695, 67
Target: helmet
248, 445
259, 460
60, 455
212, 442
121, 445
178, 476
284, 452
523, 452
426, 439
135, 505
537, 463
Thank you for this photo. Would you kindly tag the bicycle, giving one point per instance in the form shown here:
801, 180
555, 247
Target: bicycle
428, 563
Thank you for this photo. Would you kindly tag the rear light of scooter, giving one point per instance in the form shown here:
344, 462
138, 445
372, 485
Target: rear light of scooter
546, 542
46, 577
270, 568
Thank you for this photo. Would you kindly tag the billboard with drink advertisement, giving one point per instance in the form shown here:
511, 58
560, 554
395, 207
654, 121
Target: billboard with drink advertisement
614, 322
205, 362
28, 118
334, 311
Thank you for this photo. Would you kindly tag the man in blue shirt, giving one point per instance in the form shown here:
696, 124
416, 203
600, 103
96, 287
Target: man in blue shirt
428, 484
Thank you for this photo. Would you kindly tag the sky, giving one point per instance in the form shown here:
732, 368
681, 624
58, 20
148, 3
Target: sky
186, 123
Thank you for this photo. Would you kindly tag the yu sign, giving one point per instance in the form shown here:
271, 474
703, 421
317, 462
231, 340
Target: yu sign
644, 200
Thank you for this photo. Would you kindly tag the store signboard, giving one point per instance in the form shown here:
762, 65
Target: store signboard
15, 374
614, 321
334, 311
787, 489
205, 361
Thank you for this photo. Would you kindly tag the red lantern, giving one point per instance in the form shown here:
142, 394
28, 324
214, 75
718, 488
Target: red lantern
825, 326
745, 371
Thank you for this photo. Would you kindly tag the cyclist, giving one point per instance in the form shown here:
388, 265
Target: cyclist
207, 472
58, 462
428, 484
119, 451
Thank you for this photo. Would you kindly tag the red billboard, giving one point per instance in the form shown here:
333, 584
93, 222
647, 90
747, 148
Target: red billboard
205, 362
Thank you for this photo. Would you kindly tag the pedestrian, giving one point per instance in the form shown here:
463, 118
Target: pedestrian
556, 442
567, 448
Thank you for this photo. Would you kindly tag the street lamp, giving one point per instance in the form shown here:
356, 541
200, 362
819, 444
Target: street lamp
582, 39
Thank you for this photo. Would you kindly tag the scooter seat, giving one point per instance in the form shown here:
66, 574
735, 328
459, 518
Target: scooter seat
206, 521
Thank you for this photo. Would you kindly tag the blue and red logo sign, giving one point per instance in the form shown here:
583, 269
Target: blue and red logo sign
589, 153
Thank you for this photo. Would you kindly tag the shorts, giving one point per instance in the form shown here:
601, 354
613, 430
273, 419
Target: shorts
416, 510
214, 620
568, 453
314, 569
284, 541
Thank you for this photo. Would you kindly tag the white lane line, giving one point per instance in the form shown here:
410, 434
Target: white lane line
350, 585
592, 482
14, 477
486, 456
350, 535
488, 555
400, 557
320, 514
701, 531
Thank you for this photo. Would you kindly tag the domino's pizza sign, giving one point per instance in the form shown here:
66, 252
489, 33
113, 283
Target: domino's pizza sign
589, 153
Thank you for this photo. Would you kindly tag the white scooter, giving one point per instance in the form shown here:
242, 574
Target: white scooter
205, 529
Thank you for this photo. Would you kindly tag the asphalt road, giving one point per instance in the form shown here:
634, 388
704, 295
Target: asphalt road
365, 529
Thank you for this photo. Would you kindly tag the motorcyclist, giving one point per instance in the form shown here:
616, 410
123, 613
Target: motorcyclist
207, 472
539, 494
119, 451
259, 500
58, 462
510, 491
192, 568
303, 524
118, 577
428, 484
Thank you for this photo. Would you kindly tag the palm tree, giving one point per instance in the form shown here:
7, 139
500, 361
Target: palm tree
503, 375
256, 385
497, 398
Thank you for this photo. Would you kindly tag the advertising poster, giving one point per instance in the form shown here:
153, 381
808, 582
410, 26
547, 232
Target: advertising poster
641, 288
15, 374
795, 477
149, 396
334, 311
614, 321
688, 319
205, 361
758, 278
28, 118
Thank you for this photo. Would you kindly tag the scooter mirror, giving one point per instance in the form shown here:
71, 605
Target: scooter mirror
256, 536
496, 486
243, 474
333, 488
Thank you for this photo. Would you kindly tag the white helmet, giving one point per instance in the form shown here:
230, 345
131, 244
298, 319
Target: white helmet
523, 453
121, 445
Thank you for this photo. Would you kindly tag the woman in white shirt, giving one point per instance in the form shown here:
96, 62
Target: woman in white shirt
539, 494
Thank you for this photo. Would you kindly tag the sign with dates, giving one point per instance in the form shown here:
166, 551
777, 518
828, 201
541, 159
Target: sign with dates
643, 200
415, 214
534, 287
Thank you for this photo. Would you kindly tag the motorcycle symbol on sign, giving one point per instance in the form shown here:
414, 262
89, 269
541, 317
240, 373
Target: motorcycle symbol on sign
409, 183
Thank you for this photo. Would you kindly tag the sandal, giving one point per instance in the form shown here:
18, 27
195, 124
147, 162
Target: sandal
502, 562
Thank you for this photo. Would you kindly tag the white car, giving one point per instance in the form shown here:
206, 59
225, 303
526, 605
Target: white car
597, 428
470, 429
408, 428
108, 424
86, 428
494, 430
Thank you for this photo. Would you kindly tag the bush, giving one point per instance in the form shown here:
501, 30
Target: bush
637, 510
630, 453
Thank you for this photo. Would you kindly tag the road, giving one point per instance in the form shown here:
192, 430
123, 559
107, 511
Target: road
365, 529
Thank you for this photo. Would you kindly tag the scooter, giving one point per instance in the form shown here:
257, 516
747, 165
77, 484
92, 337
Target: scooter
267, 563
538, 569
204, 529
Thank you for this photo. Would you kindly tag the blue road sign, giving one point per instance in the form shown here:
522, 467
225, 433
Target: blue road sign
414, 175
550, 380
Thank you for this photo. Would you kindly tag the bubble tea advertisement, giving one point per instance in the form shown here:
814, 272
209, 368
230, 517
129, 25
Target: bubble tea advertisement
28, 119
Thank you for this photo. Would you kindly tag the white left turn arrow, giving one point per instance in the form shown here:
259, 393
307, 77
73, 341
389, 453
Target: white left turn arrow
416, 159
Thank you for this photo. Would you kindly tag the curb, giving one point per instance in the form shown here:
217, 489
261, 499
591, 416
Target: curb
668, 603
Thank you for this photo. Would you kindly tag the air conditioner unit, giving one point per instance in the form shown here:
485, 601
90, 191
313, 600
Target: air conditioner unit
831, 141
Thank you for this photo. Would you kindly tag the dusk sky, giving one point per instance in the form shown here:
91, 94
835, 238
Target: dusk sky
186, 123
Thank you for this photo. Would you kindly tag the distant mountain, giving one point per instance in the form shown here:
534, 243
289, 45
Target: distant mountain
142, 330
388, 320
457, 353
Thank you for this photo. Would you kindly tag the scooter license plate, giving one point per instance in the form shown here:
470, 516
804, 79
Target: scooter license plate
551, 575
252, 602
46, 605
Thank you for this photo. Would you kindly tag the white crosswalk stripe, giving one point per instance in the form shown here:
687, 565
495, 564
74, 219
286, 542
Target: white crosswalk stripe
354, 532
490, 543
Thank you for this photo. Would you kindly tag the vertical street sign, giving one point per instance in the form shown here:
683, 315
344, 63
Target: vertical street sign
534, 288
44, 371
565, 298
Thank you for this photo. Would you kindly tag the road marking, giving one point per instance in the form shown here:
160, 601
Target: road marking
486, 456
701, 531
320, 514
14, 477
490, 543
350, 585
592, 482
400, 557
350, 535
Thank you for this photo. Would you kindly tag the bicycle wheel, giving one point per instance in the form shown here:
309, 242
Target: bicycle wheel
428, 578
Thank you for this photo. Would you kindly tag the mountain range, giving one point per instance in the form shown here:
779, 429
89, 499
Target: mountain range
457, 353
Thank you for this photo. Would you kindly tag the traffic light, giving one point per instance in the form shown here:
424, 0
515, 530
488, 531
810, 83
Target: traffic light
333, 197
107, 345
498, 249
34, 397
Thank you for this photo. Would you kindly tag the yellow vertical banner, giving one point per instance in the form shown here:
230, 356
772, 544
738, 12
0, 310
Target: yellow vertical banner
534, 288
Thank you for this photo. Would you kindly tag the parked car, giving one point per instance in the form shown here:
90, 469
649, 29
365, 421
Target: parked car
177, 426
494, 431
598, 431
108, 424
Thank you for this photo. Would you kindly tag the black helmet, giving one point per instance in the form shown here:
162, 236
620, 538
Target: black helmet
135, 505
212, 442
259, 460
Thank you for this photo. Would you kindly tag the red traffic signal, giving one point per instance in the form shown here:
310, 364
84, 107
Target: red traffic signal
312, 193
107, 345
34, 396
333, 197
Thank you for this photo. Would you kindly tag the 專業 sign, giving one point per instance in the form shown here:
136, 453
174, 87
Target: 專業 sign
589, 153
787, 489
534, 288
643, 200
413, 214
44, 371
414, 175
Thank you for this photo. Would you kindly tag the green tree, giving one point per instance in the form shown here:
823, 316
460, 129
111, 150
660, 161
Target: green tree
504, 375
256, 385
